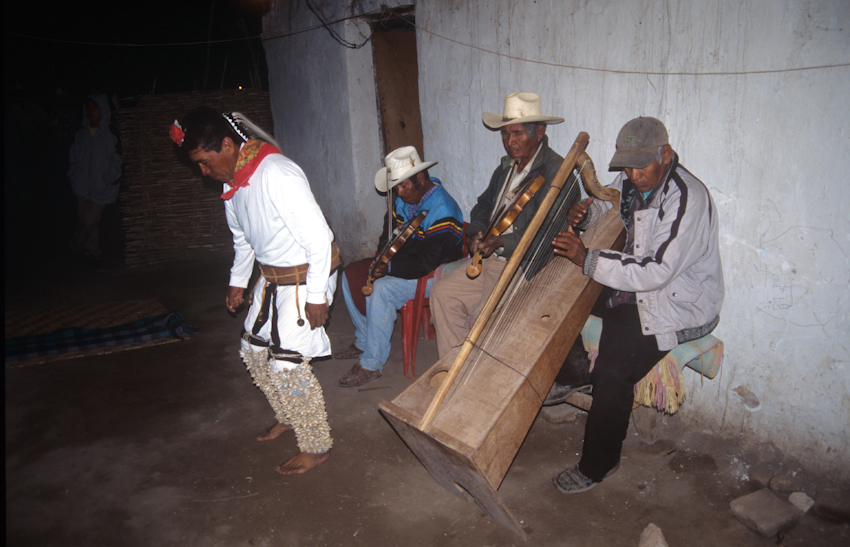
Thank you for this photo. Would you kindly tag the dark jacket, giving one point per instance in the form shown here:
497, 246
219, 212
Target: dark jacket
549, 161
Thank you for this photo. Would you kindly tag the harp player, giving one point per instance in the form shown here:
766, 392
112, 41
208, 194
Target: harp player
665, 288
456, 300
436, 241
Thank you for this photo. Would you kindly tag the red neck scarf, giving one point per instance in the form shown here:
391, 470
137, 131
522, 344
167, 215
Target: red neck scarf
250, 156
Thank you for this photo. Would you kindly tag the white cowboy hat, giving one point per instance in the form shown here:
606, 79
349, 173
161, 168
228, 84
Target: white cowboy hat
402, 164
522, 107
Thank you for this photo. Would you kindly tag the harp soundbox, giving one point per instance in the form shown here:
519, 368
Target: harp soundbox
467, 416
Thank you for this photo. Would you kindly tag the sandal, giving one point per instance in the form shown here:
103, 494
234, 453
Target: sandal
350, 352
358, 376
572, 481
559, 394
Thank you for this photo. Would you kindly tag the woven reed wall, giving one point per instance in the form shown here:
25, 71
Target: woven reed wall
170, 213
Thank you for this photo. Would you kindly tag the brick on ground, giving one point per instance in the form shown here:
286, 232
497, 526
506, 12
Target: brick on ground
559, 414
652, 537
801, 501
765, 512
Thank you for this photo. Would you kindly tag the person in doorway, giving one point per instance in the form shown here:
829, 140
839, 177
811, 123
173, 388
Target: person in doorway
275, 219
663, 289
436, 241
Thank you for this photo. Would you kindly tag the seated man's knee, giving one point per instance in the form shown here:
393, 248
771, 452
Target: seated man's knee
608, 372
436, 292
382, 289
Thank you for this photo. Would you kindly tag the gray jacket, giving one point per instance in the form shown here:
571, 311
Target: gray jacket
675, 270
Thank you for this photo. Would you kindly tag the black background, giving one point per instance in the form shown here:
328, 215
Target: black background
51, 66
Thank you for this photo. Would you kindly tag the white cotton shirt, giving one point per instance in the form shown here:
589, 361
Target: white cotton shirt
276, 220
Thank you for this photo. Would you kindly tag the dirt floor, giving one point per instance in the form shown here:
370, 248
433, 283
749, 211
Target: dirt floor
156, 447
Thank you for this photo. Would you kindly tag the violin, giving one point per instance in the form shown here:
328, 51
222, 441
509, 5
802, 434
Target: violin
391, 248
505, 217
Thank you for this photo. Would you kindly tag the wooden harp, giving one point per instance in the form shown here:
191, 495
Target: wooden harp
467, 416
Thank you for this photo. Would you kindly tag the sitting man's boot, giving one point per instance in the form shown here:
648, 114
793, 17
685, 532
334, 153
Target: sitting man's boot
573, 376
572, 481
559, 394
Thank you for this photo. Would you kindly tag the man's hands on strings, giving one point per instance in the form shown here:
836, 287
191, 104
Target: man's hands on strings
487, 246
578, 211
568, 243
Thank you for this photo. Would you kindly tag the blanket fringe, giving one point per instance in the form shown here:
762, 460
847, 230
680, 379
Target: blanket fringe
663, 388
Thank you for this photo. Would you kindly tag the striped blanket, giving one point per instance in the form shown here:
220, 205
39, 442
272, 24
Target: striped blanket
75, 339
663, 387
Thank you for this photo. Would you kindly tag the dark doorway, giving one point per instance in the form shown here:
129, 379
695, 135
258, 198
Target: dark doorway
397, 80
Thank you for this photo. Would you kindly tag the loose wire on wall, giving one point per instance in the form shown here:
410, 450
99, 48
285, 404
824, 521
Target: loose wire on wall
387, 12
334, 34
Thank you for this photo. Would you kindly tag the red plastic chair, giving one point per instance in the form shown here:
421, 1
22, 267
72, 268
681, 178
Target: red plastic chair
418, 311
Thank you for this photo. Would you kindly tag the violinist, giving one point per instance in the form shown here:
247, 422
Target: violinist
435, 241
457, 298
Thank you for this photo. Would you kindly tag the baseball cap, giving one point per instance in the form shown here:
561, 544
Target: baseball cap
638, 142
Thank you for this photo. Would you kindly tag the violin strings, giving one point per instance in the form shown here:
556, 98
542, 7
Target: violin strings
521, 293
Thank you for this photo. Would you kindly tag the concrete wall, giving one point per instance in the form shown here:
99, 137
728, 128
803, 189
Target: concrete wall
772, 147
326, 117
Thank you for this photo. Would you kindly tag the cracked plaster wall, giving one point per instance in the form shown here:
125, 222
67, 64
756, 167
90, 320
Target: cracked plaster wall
773, 149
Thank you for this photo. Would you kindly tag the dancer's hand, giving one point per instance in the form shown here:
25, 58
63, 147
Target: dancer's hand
235, 298
317, 314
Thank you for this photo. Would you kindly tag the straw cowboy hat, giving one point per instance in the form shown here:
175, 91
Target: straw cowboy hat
402, 164
522, 107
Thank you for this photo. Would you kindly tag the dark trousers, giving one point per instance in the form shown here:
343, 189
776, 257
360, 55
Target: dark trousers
625, 356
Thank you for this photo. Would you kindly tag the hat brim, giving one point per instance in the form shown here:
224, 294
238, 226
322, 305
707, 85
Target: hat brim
632, 159
497, 121
381, 176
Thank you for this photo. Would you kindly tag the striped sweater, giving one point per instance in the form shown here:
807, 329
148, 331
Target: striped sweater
436, 241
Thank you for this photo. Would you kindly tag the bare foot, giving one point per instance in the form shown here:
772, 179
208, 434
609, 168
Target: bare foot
273, 432
301, 463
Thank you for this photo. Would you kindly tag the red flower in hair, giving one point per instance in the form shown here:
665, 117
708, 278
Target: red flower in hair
176, 133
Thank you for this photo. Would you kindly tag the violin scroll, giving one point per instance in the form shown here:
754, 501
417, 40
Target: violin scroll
474, 269
369, 287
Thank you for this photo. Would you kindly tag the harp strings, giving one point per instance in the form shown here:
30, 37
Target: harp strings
527, 288
523, 294
556, 221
